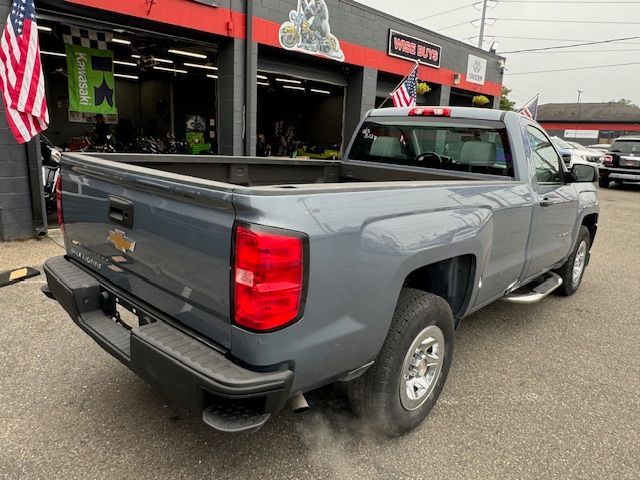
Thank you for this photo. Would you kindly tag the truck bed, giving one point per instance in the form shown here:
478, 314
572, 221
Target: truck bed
283, 172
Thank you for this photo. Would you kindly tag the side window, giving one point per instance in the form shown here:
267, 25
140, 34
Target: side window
544, 156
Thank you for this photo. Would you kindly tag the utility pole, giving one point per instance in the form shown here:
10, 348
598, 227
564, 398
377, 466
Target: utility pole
575, 132
482, 20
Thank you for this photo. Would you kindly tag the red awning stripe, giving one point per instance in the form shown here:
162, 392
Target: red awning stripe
180, 13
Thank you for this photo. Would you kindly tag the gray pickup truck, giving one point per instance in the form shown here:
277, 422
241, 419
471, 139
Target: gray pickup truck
238, 284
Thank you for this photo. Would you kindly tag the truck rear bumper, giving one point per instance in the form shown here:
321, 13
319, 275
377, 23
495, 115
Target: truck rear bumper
231, 398
630, 175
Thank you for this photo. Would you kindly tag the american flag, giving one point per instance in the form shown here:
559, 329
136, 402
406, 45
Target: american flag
405, 94
21, 77
530, 109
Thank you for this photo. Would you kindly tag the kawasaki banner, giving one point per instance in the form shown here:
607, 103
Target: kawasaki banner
91, 83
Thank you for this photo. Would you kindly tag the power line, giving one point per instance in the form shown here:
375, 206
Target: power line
593, 51
452, 26
546, 20
574, 68
543, 20
608, 2
556, 39
611, 40
442, 13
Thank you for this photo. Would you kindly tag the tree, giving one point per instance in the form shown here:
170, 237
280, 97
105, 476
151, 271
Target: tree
505, 103
624, 101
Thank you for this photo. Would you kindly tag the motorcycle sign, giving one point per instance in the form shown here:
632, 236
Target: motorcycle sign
308, 31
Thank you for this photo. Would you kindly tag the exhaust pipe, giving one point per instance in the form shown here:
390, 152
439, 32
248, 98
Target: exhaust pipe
298, 403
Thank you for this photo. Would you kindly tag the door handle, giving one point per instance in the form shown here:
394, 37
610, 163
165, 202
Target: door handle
121, 211
545, 202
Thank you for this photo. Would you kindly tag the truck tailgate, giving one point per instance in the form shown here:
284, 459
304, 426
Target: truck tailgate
163, 238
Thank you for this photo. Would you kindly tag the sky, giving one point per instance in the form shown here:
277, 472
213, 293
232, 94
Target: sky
565, 24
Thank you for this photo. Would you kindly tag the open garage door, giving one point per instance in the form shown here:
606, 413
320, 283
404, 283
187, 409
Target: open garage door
299, 117
158, 92
300, 107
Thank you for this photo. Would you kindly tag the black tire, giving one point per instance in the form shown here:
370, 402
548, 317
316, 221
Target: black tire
569, 286
604, 182
375, 395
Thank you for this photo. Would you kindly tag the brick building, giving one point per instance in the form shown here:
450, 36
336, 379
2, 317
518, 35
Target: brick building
590, 123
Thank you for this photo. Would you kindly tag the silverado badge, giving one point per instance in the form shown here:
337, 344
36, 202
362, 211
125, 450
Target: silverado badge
120, 241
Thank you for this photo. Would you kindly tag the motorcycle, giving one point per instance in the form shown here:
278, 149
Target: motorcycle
50, 171
86, 143
297, 33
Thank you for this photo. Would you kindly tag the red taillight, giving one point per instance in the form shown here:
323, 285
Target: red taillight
608, 159
430, 112
58, 190
268, 278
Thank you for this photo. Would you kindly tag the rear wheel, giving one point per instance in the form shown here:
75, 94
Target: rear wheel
572, 270
402, 386
289, 36
604, 182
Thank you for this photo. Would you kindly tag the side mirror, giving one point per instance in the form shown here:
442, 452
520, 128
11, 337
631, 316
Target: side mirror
566, 155
584, 173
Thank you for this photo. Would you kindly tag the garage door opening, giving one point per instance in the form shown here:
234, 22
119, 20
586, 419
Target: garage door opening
158, 94
387, 83
464, 98
298, 117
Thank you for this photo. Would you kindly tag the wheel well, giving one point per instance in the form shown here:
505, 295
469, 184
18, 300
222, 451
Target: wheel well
591, 222
450, 279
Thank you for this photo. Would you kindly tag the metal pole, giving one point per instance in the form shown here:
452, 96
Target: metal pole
482, 20
34, 166
172, 110
575, 131
249, 82
399, 83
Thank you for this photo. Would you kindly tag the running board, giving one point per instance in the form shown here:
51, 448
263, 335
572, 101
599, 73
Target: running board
537, 293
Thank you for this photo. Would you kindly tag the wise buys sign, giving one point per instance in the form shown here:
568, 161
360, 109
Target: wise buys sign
91, 82
415, 49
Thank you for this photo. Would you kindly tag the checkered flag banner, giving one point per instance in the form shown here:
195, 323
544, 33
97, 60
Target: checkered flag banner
86, 38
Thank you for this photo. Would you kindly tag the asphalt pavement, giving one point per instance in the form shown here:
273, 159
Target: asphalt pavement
550, 390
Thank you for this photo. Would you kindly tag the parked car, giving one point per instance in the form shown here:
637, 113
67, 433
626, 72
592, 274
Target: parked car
578, 152
622, 162
238, 284
574, 144
600, 147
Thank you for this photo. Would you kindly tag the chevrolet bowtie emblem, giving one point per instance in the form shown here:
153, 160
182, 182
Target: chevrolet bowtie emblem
120, 241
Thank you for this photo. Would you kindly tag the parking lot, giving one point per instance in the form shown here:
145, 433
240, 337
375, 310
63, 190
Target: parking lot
550, 390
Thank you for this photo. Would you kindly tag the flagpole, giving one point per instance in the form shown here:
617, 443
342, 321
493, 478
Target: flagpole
399, 83
537, 95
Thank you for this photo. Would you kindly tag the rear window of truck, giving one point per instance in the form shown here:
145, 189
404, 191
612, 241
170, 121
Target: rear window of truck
477, 146
626, 146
